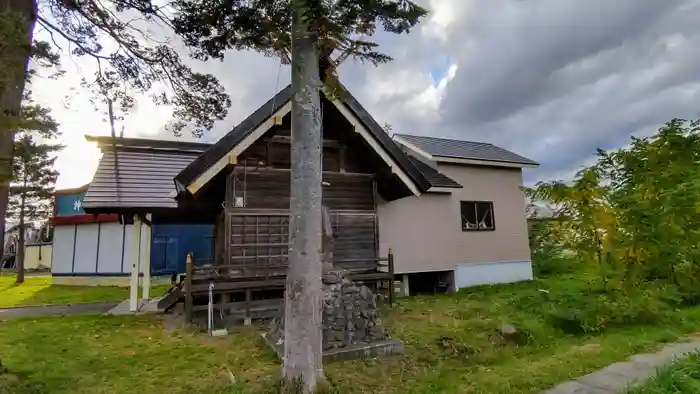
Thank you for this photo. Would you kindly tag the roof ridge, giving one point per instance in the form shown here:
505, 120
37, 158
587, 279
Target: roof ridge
131, 141
443, 138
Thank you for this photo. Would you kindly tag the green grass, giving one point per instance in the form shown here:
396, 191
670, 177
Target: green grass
449, 340
38, 290
680, 377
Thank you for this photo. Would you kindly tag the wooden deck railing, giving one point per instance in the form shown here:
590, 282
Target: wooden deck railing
197, 278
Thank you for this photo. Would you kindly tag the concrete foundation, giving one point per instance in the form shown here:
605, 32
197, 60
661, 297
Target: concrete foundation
383, 348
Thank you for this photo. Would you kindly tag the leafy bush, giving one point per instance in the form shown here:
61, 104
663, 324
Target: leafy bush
548, 256
550, 262
687, 279
596, 310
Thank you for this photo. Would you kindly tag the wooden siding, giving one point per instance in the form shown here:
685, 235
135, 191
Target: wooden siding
259, 241
355, 239
273, 150
266, 188
257, 207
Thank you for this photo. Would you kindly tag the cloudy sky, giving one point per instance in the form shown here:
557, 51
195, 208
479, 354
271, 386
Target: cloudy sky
549, 79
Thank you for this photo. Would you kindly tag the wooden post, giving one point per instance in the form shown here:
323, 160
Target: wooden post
135, 264
248, 298
405, 287
188, 288
147, 260
391, 275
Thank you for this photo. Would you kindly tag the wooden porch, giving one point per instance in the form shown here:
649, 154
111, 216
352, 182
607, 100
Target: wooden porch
250, 297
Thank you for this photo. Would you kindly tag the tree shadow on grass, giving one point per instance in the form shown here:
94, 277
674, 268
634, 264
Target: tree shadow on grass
23, 382
10, 287
66, 294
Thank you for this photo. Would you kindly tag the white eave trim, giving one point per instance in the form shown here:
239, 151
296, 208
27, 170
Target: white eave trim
232, 155
413, 148
441, 190
360, 129
443, 159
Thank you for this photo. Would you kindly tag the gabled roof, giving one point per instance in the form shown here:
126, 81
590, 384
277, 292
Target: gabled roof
145, 173
439, 148
215, 152
232, 139
436, 178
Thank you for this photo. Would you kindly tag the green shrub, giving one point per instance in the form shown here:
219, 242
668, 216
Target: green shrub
687, 279
547, 262
595, 310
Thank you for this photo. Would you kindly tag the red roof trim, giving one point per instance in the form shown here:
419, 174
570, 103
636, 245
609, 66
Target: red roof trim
84, 219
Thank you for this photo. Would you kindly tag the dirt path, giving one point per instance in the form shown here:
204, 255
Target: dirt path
617, 377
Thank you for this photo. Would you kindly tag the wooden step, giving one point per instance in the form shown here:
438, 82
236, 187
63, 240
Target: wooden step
171, 297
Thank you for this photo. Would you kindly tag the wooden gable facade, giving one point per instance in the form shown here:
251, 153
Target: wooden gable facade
252, 187
256, 213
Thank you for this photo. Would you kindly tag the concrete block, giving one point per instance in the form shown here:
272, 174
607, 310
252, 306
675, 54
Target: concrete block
605, 380
573, 387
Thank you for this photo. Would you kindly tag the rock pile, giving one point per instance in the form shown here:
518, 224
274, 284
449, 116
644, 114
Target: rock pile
349, 314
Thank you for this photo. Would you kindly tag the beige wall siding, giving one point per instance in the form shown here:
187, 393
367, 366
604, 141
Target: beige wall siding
425, 232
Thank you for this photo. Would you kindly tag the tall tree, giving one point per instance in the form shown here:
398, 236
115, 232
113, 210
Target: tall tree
315, 36
128, 59
32, 186
16, 29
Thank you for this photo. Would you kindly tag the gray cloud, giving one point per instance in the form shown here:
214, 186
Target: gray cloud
552, 80
574, 77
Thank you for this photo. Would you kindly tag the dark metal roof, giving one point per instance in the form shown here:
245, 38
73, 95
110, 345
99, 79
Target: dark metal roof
215, 152
436, 178
145, 173
240, 132
106, 142
442, 147
384, 140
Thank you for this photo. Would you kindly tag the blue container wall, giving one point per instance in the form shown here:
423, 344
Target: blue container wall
170, 243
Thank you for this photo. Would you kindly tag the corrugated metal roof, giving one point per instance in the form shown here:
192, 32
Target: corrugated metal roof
443, 147
436, 178
145, 179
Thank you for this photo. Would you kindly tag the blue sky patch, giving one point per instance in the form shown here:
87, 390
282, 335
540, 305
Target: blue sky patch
439, 70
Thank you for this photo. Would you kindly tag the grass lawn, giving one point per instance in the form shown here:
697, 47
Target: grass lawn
38, 290
681, 377
449, 348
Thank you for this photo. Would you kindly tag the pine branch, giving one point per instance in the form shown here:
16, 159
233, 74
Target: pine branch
198, 100
212, 27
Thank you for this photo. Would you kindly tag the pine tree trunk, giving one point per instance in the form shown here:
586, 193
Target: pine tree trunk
303, 324
19, 258
11, 97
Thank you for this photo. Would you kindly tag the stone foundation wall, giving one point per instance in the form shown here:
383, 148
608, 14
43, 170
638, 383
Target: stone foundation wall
349, 314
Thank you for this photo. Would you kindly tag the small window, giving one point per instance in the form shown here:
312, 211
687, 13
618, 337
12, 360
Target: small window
477, 216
